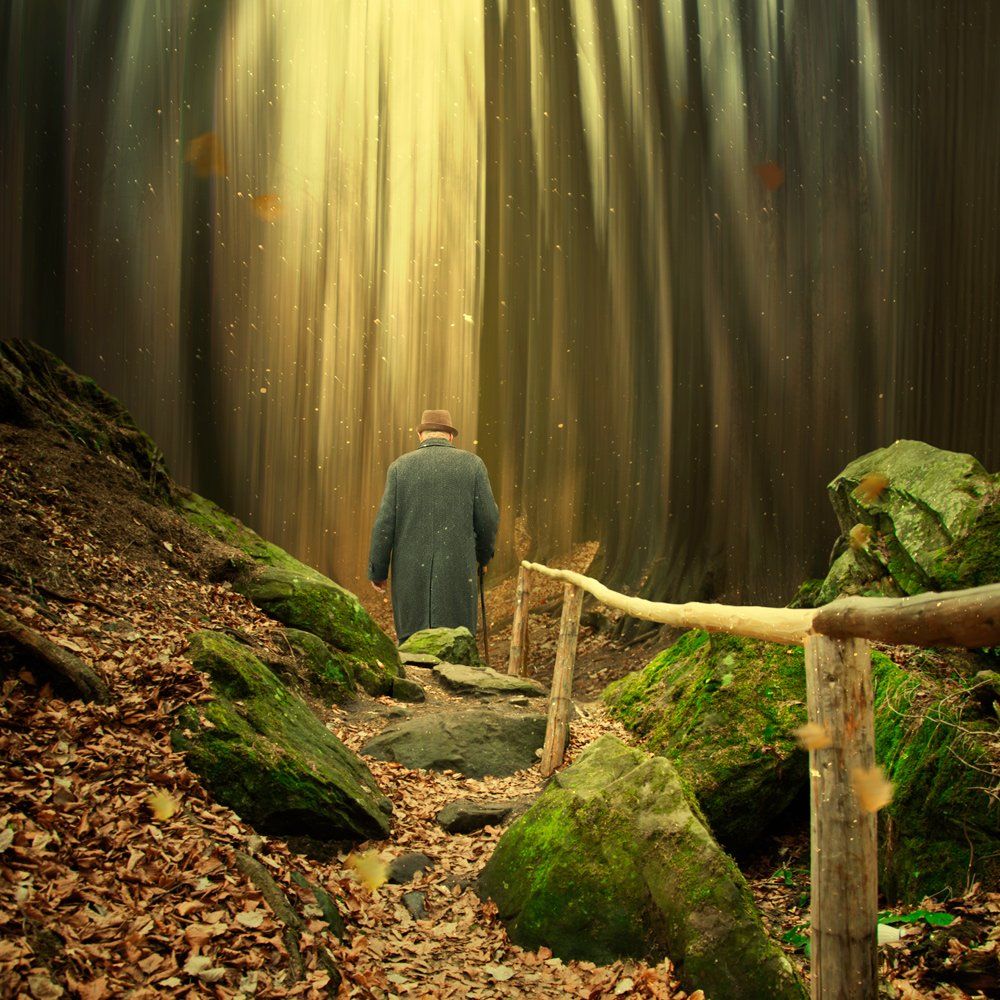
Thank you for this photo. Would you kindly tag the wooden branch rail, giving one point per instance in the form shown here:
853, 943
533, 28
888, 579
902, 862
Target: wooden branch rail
844, 908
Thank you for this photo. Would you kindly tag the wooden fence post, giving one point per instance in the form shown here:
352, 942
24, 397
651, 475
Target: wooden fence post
516, 665
561, 695
844, 876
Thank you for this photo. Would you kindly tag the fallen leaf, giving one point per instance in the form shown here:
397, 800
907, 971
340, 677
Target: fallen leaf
6, 838
251, 918
872, 788
42, 988
501, 973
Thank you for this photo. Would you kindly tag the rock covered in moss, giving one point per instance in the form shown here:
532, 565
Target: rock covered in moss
942, 828
722, 709
313, 603
913, 518
403, 689
453, 645
614, 861
483, 682
262, 751
474, 743
325, 673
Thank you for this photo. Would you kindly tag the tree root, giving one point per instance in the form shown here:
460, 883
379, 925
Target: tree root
81, 677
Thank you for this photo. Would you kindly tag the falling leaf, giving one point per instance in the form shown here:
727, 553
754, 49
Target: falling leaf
859, 536
204, 152
369, 868
771, 174
812, 736
161, 805
267, 207
251, 918
871, 486
467, 317
872, 788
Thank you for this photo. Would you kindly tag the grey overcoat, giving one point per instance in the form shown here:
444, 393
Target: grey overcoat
437, 521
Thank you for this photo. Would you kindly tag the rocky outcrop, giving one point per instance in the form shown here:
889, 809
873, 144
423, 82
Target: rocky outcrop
484, 682
614, 861
913, 518
474, 743
327, 674
261, 751
453, 645
722, 709
38, 390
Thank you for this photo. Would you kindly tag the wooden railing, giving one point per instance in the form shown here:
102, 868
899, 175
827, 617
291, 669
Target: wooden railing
844, 881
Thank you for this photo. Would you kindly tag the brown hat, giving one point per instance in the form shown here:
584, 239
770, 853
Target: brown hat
436, 420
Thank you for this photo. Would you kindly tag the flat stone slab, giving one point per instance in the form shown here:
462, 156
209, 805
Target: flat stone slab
475, 742
426, 660
484, 681
466, 816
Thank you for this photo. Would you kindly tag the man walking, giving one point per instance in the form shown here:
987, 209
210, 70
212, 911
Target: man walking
437, 523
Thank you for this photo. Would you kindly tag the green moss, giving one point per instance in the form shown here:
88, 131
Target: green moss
452, 645
722, 709
261, 751
942, 828
326, 673
613, 860
214, 521
312, 603
972, 559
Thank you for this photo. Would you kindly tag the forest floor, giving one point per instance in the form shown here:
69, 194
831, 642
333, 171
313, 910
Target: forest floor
116, 867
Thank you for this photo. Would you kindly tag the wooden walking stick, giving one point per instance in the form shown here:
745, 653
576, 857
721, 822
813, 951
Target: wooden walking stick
486, 627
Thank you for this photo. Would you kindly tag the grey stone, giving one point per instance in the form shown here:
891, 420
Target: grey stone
465, 816
403, 689
475, 743
414, 902
484, 682
426, 660
454, 645
403, 868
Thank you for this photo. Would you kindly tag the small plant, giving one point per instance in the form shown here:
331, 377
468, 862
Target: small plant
934, 918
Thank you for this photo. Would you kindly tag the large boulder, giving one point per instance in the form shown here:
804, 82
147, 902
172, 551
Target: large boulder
913, 518
453, 645
474, 743
483, 682
723, 708
300, 597
260, 750
942, 828
313, 603
325, 673
614, 861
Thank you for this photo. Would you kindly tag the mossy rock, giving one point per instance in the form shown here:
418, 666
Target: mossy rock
327, 674
452, 645
914, 518
723, 708
214, 521
313, 603
614, 861
38, 390
942, 828
260, 750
